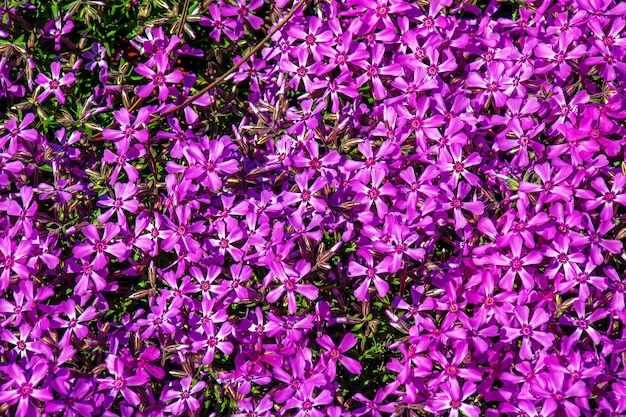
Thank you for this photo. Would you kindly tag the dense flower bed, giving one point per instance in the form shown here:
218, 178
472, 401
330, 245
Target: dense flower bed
312, 208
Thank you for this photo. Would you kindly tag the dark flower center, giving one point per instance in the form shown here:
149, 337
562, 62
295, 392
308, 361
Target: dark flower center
26, 390
516, 265
99, 246
315, 163
374, 193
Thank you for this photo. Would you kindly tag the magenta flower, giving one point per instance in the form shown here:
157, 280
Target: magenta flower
73, 402
373, 194
18, 131
21, 390
451, 400
289, 284
181, 232
96, 57
122, 159
374, 69
242, 11
74, 325
583, 322
371, 273
220, 25
515, 263
100, 246
228, 233
127, 129
305, 402
56, 29
13, 259
608, 197
213, 340
121, 381
526, 328
308, 195
125, 200
185, 399
209, 168
54, 84
158, 78
562, 258
554, 186
334, 354
162, 317
456, 203
556, 392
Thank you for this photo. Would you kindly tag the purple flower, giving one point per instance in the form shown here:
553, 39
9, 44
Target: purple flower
125, 200
57, 29
226, 26
96, 57
289, 283
54, 84
185, 399
456, 203
74, 401
305, 402
13, 258
555, 391
100, 246
242, 11
128, 129
158, 78
121, 381
213, 340
452, 400
526, 328
334, 354
23, 390
17, 132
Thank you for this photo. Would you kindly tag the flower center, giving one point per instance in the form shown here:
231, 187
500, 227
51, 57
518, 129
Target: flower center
26, 390
516, 265
374, 193
99, 246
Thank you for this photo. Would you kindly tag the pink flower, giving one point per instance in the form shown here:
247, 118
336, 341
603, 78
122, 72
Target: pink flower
158, 78
54, 84
334, 354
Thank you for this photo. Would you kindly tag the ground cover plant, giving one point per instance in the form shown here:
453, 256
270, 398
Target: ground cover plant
312, 208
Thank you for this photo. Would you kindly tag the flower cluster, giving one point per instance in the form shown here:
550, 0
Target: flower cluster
391, 208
